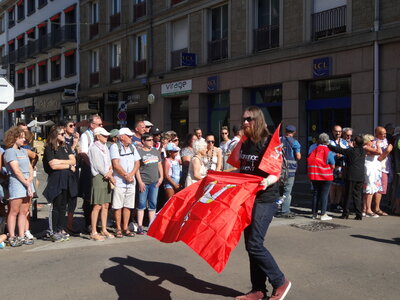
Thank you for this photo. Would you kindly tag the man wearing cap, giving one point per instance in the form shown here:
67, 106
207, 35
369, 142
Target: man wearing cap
148, 125
125, 160
156, 133
140, 128
113, 138
84, 186
291, 149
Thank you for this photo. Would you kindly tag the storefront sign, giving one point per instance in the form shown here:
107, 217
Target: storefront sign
212, 83
176, 88
47, 103
322, 67
189, 59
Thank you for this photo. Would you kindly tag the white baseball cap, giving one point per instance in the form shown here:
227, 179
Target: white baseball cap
101, 131
147, 123
125, 131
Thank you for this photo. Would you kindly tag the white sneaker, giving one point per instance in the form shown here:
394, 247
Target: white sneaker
29, 235
325, 217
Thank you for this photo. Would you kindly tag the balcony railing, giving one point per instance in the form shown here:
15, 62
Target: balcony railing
115, 21
218, 49
173, 2
12, 57
63, 35
139, 67
22, 54
139, 10
44, 43
33, 48
115, 73
94, 78
329, 22
266, 37
94, 30
4, 60
176, 58
11, 23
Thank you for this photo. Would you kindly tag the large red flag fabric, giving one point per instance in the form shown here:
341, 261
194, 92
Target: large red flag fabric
271, 161
233, 159
209, 215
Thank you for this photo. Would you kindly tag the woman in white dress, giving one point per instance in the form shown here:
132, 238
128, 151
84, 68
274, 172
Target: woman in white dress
213, 157
372, 182
197, 168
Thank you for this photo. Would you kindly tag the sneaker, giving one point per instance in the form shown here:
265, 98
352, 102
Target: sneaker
281, 292
25, 241
14, 242
2, 245
64, 236
29, 235
314, 217
372, 215
56, 237
132, 226
289, 215
253, 295
140, 230
325, 217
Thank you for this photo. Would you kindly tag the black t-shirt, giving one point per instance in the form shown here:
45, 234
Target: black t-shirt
250, 157
49, 154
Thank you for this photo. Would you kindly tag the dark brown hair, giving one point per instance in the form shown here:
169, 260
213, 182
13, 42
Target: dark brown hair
52, 140
260, 130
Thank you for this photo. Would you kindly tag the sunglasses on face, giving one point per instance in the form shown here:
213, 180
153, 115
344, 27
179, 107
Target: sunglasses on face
224, 133
149, 140
248, 119
61, 134
210, 142
71, 125
175, 140
101, 124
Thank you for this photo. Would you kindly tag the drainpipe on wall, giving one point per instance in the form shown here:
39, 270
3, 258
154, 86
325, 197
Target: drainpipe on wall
376, 66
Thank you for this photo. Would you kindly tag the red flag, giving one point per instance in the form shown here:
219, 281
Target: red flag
233, 159
271, 161
209, 215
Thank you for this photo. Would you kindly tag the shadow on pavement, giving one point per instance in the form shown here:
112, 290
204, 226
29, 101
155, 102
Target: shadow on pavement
395, 241
129, 284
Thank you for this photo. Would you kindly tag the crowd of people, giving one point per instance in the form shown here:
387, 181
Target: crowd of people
122, 171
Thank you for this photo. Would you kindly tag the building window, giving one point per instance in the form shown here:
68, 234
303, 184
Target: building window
180, 37
31, 7
115, 72
31, 76
21, 79
94, 67
329, 18
218, 44
266, 34
269, 99
42, 3
115, 7
2, 24
140, 54
21, 10
55, 68
139, 9
70, 63
11, 17
218, 112
42, 66
94, 19
115, 17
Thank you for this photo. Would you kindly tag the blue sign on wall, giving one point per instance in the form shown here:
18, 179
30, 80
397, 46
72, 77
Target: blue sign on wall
322, 67
212, 83
189, 59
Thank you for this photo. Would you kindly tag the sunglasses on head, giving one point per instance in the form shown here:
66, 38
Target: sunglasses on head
248, 119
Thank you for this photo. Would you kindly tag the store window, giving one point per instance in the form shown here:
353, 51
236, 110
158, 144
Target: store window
180, 116
269, 99
218, 112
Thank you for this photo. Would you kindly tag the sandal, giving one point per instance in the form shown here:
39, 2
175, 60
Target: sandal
129, 233
118, 234
96, 237
381, 213
107, 235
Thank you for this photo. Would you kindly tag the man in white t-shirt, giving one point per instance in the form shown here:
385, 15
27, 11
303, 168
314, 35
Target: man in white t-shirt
126, 161
85, 182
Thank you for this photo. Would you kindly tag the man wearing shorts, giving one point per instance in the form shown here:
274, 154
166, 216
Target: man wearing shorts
125, 160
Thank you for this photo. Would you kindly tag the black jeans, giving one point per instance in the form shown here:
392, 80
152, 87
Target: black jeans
262, 263
353, 192
58, 221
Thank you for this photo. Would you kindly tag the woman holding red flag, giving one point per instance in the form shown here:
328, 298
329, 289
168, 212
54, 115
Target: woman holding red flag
262, 264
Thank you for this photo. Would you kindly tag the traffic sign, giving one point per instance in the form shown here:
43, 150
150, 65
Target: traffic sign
6, 93
122, 116
122, 122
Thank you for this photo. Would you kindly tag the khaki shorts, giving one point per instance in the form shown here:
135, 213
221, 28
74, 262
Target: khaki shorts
123, 197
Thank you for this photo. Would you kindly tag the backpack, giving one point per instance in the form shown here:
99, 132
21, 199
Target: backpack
284, 171
130, 147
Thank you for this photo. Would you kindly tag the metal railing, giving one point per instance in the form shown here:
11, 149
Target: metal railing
62, 35
266, 37
94, 30
115, 73
218, 49
22, 54
115, 21
94, 78
139, 67
139, 10
329, 22
176, 58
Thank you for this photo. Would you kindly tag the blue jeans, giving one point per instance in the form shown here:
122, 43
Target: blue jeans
262, 264
149, 195
287, 192
320, 195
